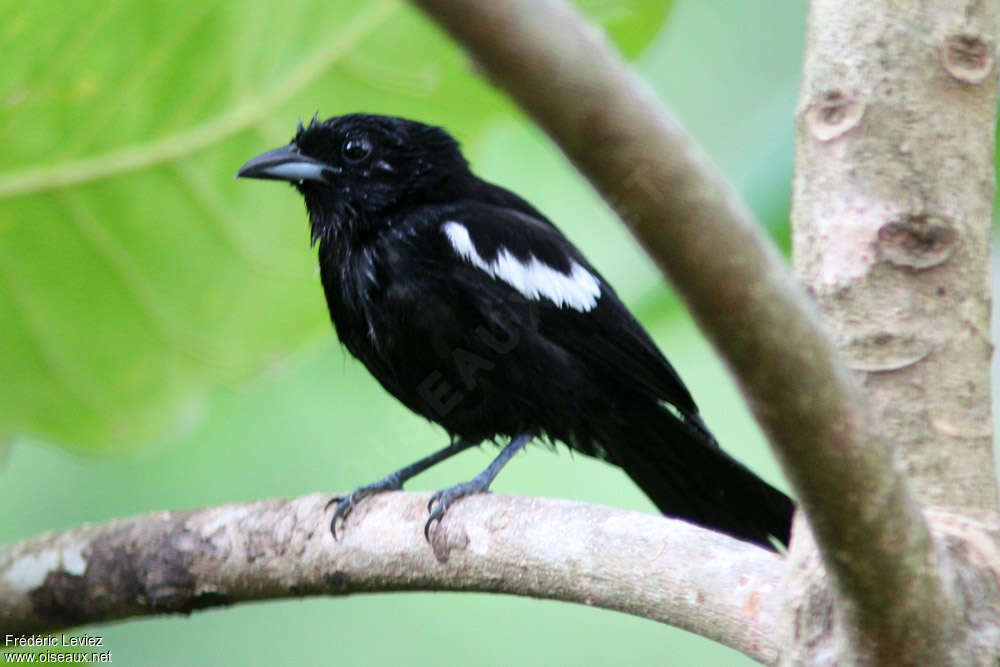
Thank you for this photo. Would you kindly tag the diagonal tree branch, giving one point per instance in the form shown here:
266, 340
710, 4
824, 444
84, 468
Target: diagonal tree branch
566, 76
177, 562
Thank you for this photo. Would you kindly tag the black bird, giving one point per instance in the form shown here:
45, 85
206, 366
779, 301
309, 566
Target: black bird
471, 308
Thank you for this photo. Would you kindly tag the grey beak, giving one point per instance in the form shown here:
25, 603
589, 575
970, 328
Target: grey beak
286, 164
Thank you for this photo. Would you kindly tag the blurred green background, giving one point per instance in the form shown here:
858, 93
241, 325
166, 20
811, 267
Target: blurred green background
163, 339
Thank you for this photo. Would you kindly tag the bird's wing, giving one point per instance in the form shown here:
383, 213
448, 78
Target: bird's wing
543, 281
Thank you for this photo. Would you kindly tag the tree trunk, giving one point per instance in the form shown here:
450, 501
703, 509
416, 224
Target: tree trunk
892, 205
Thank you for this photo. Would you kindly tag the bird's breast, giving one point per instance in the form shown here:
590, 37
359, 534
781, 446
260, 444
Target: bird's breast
351, 283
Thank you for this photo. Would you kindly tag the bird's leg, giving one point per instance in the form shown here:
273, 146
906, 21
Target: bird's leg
392, 482
443, 499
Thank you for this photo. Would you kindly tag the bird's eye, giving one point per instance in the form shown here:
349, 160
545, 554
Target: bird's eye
357, 149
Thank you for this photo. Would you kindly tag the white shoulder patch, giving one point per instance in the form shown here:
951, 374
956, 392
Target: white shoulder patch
579, 290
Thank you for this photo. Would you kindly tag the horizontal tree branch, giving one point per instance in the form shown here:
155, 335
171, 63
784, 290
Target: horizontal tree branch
177, 562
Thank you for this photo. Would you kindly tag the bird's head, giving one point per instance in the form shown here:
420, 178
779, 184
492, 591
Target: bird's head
354, 169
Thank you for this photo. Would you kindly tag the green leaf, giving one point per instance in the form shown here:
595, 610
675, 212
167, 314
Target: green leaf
135, 275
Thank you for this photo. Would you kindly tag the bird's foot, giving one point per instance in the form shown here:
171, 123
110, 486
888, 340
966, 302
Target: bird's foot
346, 504
442, 500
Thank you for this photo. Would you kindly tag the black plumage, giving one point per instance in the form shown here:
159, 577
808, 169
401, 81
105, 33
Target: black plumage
471, 308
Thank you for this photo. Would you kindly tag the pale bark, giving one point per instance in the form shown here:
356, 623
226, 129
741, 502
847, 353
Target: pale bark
177, 562
892, 199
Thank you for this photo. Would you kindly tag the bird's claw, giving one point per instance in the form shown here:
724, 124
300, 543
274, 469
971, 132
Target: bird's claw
346, 504
442, 500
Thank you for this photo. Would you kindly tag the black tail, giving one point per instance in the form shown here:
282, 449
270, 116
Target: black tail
685, 473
